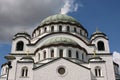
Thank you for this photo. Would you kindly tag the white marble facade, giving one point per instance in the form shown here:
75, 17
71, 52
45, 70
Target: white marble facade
59, 49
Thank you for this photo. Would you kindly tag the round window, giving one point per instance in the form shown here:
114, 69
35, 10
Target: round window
61, 70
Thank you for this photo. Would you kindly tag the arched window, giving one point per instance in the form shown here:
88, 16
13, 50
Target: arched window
45, 29
38, 56
6, 70
68, 29
52, 53
80, 32
61, 52
77, 55
24, 72
39, 31
82, 56
20, 46
98, 71
75, 30
52, 29
101, 46
69, 53
60, 28
44, 54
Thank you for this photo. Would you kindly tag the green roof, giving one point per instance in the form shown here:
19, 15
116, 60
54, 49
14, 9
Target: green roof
58, 40
59, 18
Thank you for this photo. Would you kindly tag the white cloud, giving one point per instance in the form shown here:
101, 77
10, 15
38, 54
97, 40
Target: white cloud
116, 58
20, 15
24, 15
70, 6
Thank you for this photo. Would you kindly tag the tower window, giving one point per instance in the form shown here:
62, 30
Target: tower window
52, 53
100, 45
69, 53
60, 28
52, 28
24, 72
61, 52
68, 28
20, 46
98, 71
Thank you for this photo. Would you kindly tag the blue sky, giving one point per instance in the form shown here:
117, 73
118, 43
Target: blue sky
104, 14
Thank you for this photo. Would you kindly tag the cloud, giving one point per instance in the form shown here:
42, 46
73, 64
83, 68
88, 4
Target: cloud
24, 15
116, 58
19, 15
70, 6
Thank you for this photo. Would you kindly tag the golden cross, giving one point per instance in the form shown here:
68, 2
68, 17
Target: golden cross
97, 29
94, 52
27, 52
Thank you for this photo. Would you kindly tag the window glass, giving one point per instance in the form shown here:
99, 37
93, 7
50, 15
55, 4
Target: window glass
19, 46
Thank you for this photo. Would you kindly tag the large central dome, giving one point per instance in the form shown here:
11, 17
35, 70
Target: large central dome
59, 18
60, 23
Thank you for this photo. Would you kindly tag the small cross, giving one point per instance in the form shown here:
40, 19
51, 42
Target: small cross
27, 52
94, 52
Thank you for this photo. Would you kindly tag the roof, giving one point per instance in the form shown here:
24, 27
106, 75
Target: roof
23, 33
59, 18
59, 59
27, 58
58, 40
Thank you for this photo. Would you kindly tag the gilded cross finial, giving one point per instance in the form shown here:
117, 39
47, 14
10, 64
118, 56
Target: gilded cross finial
60, 10
97, 29
27, 52
94, 52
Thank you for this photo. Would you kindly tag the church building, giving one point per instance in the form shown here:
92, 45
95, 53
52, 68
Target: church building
60, 49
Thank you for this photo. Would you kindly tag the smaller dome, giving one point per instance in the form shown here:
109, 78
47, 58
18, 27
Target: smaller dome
97, 32
22, 33
10, 57
27, 58
95, 59
59, 40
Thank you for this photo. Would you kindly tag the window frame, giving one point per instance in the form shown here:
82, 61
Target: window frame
20, 46
24, 71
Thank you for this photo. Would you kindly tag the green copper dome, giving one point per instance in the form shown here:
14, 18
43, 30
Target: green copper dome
59, 18
58, 40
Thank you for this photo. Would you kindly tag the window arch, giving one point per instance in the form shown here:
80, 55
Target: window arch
98, 71
52, 29
38, 56
68, 29
52, 53
80, 32
24, 72
6, 70
39, 31
69, 53
77, 55
101, 46
61, 52
45, 29
60, 28
44, 54
75, 29
82, 56
20, 46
